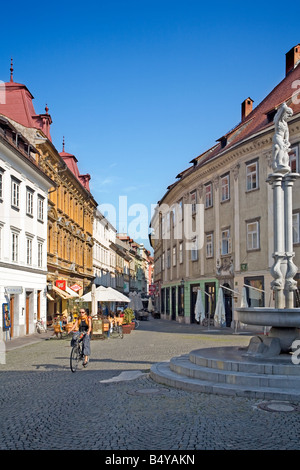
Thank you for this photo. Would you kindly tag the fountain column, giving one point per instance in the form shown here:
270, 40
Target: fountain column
278, 267
284, 319
291, 269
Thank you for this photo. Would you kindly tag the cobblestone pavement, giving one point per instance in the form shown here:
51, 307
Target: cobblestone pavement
44, 406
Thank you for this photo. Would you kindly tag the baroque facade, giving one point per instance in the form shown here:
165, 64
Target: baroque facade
213, 226
23, 234
71, 206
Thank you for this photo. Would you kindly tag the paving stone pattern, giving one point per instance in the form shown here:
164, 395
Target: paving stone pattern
44, 406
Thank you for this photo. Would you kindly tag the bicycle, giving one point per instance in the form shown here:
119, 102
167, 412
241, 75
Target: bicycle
137, 323
77, 356
116, 331
40, 327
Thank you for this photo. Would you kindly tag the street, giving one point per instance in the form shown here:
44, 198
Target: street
114, 405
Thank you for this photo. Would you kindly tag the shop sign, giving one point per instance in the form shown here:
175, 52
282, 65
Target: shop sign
61, 284
152, 289
75, 287
10, 290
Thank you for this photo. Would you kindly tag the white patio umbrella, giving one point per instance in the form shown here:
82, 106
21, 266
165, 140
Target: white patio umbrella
244, 301
140, 305
105, 294
94, 300
244, 304
219, 316
132, 296
199, 307
150, 305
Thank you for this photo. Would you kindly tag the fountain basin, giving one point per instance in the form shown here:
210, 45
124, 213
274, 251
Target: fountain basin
267, 316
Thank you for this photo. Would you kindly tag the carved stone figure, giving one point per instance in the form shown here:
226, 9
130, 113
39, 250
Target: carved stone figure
281, 142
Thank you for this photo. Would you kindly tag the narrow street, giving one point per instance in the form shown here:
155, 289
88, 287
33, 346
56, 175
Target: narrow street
114, 405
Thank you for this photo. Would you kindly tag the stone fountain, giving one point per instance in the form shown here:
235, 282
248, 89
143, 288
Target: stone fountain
265, 368
283, 319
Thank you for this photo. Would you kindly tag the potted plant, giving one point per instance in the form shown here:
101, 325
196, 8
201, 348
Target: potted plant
128, 320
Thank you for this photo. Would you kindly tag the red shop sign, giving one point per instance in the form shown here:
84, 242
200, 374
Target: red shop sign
75, 287
61, 284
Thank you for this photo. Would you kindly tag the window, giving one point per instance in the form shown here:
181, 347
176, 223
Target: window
168, 258
253, 235
252, 176
209, 245
208, 195
255, 291
40, 208
181, 252
194, 201
225, 242
15, 193
29, 201
174, 255
180, 210
194, 250
296, 228
14, 246
29, 251
180, 300
225, 190
163, 261
40, 254
294, 164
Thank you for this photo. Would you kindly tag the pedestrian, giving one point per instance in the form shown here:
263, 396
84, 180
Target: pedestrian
84, 325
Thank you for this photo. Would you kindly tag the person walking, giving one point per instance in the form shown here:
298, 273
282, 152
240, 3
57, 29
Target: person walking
84, 325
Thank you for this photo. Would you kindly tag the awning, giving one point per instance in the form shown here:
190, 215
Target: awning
61, 292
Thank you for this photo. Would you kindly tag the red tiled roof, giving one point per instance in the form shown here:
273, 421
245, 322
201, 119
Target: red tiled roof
19, 107
71, 162
257, 120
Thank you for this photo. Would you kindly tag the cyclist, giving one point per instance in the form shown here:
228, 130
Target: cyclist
84, 325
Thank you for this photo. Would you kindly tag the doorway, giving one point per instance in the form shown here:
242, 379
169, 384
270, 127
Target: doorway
210, 300
228, 304
173, 315
27, 313
193, 297
11, 311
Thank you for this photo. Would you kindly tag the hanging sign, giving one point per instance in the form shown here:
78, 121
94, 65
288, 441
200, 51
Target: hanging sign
61, 284
75, 287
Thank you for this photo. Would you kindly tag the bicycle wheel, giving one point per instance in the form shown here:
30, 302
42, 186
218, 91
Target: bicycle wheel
75, 358
120, 331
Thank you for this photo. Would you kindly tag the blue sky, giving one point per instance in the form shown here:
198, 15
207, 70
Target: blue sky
140, 88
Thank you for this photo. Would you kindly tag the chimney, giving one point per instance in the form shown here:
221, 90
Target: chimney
247, 107
292, 58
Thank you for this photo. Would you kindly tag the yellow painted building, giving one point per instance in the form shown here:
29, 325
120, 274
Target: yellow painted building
70, 204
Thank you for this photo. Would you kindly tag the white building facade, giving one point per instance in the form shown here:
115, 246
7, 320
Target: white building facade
104, 256
23, 235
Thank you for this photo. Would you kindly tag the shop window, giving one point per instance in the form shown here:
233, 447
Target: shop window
255, 291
